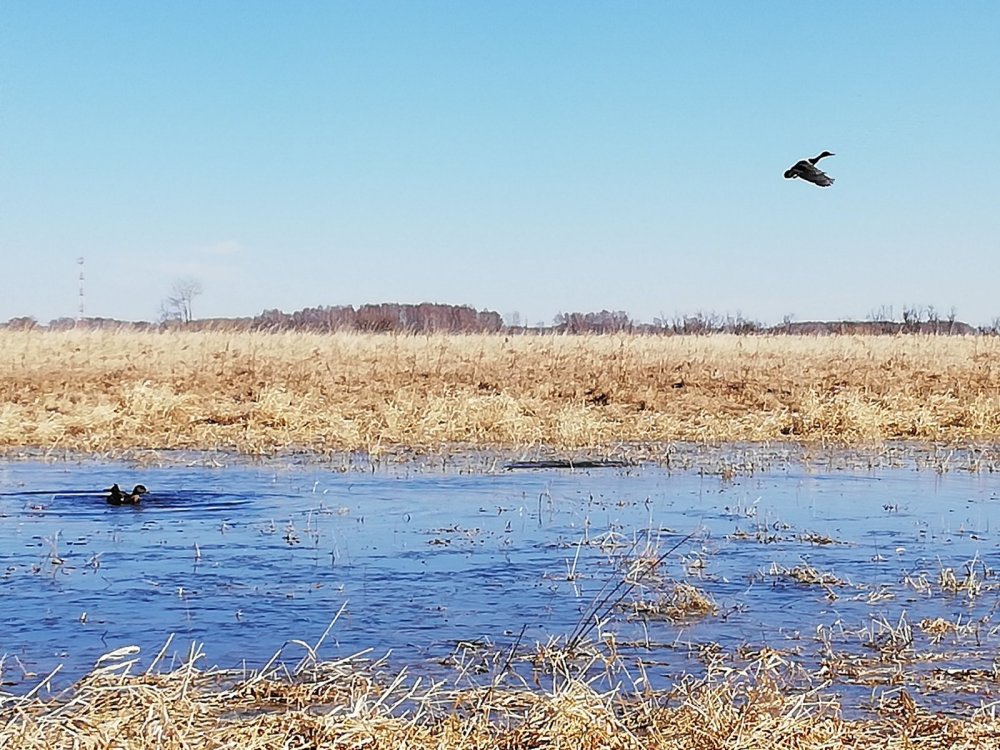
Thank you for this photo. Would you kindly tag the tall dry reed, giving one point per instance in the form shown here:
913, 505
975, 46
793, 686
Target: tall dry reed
346, 705
259, 393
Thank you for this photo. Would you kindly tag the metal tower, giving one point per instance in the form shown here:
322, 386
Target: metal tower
80, 309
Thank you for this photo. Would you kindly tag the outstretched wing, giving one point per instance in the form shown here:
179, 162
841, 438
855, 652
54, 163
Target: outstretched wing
810, 173
816, 176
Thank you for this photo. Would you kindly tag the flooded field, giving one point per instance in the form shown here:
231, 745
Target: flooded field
866, 579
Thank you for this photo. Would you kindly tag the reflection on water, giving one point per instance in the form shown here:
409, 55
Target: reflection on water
243, 559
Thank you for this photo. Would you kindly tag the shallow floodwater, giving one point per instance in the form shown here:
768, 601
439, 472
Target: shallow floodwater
243, 559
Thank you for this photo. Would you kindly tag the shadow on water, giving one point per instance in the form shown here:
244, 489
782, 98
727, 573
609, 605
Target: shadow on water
820, 564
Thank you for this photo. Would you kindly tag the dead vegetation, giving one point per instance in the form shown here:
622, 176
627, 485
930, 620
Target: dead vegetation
354, 703
256, 393
682, 602
806, 575
975, 579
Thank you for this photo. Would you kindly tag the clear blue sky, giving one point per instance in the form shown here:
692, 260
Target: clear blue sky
538, 157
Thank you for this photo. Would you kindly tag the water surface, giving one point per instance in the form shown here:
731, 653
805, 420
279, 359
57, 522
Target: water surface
246, 558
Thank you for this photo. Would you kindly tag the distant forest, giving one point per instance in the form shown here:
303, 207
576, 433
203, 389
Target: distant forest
434, 318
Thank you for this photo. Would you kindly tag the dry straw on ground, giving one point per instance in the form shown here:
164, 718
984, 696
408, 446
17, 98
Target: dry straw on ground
348, 705
260, 393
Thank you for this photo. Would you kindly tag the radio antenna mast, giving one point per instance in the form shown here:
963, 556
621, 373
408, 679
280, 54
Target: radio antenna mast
80, 309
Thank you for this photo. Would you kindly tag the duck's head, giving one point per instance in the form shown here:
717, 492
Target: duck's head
139, 489
825, 154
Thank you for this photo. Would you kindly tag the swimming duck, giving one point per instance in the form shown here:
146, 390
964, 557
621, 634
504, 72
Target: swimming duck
808, 171
117, 497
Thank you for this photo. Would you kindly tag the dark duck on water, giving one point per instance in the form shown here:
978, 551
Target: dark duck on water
117, 497
808, 171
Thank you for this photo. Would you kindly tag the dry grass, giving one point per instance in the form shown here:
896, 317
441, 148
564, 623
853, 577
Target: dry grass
975, 580
806, 575
348, 704
682, 603
261, 393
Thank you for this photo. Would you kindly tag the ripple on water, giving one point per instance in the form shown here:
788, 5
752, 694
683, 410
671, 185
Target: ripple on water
246, 558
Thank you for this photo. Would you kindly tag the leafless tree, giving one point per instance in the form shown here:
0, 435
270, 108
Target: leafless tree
882, 314
178, 306
952, 318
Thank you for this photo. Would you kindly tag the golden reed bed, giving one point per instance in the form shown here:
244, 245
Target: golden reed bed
341, 705
261, 393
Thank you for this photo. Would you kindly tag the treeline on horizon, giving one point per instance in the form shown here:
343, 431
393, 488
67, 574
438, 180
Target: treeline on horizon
439, 318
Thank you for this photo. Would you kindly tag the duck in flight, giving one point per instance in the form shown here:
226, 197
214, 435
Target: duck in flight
117, 497
808, 171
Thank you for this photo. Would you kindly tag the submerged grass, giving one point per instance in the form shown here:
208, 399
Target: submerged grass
257, 393
681, 603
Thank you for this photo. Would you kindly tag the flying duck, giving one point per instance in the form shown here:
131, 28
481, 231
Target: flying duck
117, 497
808, 171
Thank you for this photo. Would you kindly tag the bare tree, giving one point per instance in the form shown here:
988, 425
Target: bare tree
178, 306
911, 318
883, 314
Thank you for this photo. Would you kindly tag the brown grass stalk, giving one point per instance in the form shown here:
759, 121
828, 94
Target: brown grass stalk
348, 704
256, 393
